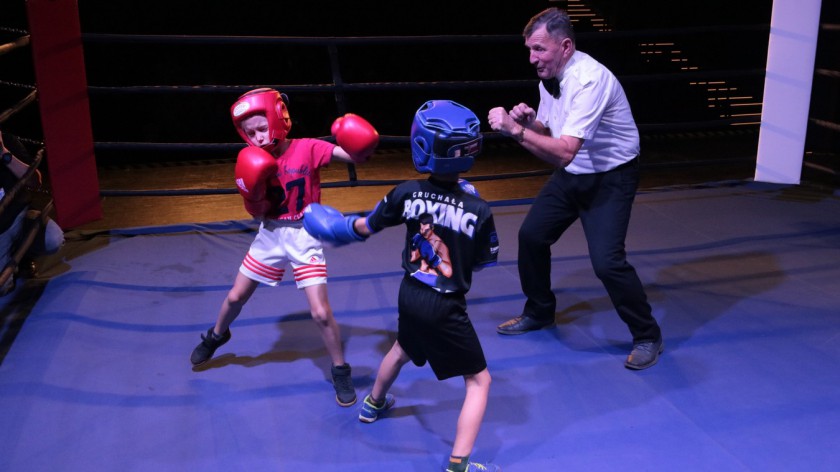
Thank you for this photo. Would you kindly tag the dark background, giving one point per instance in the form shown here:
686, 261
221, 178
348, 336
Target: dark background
201, 79
200, 64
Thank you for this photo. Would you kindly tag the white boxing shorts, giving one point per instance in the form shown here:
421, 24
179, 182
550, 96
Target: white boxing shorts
279, 242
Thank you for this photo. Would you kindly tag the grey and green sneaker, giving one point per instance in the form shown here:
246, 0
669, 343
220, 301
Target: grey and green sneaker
476, 467
488, 467
370, 412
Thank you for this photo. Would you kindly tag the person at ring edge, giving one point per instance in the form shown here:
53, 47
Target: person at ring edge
50, 238
277, 178
449, 234
585, 128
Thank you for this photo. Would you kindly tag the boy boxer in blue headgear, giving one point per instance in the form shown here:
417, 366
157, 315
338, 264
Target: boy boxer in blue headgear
449, 234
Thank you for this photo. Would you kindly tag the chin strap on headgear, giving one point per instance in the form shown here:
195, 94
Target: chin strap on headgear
445, 137
268, 102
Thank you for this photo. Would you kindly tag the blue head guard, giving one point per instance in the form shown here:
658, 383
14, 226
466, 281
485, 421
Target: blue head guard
444, 137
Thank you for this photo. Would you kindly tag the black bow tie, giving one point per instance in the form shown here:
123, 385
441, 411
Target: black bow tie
552, 86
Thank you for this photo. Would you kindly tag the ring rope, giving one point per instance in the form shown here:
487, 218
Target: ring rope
9, 29
367, 40
392, 182
5, 115
11, 46
18, 85
828, 73
825, 124
434, 85
399, 140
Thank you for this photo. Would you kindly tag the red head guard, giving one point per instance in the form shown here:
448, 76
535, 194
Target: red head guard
263, 101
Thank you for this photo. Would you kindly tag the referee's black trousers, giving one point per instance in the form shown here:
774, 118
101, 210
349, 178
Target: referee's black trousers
603, 202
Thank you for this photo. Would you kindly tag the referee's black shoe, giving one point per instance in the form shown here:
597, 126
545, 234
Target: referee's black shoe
522, 324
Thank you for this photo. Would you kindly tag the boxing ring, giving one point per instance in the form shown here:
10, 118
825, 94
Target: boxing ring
95, 375
742, 278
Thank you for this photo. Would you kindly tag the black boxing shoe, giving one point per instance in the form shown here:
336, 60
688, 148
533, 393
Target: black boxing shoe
208, 345
522, 324
345, 394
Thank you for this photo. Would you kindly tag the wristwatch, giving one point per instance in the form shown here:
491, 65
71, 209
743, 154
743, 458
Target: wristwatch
7, 158
520, 136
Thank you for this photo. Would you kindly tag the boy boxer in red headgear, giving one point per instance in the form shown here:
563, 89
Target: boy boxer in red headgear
277, 178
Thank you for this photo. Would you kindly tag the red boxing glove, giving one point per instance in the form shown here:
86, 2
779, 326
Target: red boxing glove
356, 136
254, 169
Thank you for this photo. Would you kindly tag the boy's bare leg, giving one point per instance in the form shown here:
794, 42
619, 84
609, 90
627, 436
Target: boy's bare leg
322, 314
472, 412
389, 369
239, 294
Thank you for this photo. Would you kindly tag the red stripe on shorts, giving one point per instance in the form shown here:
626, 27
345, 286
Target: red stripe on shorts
263, 270
310, 271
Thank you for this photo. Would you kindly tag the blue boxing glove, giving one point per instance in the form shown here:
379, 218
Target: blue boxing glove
330, 225
420, 243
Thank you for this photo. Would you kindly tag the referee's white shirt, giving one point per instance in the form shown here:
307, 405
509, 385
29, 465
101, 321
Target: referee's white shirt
592, 106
